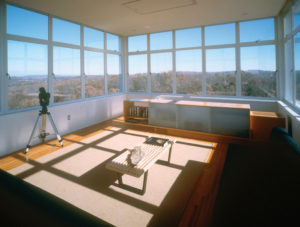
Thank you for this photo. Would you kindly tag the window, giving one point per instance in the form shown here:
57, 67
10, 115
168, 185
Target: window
113, 42
220, 34
297, 67
66, 68
94, 72
66, 32
161, 72
161, 41
137, 67
114, 80
220, 68
189, 72
137, 43
288, 71
287, 27
258, 65
296, 10
188, 37
93, 38
28, 71
257, 30
26, 23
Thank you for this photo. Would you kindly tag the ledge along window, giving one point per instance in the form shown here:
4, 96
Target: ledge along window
114, 80
258, 65
27, 65
189, 72
137, 68
94, 73
220, 71
26, 23
161, 72
66, 68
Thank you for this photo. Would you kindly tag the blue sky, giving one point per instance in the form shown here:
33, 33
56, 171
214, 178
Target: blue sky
32, 58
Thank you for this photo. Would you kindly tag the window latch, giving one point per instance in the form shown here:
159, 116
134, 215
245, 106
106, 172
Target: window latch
8, 76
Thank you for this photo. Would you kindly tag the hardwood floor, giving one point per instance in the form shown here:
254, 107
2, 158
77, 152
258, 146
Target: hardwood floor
198, 211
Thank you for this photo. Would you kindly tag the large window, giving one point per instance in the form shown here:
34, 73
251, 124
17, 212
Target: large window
189, 72
28, 70
114, 80
188, 38
220, 68
257, 30
161, 73
137, 43
26, 23
161, 41
297, 67
93, 38
258, 65
220, 34
137, 67
66, 68
94, 73
66, 32
288, 71
113, 42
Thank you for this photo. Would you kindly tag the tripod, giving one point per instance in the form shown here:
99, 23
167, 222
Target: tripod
43, 133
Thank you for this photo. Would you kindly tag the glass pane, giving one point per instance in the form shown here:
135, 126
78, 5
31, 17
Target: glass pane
113, 42
257, 30
93, 38
189, 72
258, 65
288, 71
188, 37
66, 32
28, 69
297, 67
114, 80
220, 68
66, 68
137, 43
161, 41
296, 10
26, 23
161, 73
220, 34
137, 67
287, 23
94, 71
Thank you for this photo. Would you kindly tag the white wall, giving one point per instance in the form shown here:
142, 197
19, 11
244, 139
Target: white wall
15, 129
286, 111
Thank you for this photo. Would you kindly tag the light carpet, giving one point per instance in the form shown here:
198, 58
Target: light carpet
77, 174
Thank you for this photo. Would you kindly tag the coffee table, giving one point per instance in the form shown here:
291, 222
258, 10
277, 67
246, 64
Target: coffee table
152, 153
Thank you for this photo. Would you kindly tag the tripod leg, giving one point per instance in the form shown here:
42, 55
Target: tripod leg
55, 129
33, 130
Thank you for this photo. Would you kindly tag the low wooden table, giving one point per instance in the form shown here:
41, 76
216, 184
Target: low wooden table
151, 154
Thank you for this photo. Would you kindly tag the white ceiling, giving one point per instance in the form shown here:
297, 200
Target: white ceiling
131, 17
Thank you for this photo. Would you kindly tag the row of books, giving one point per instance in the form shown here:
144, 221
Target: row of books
138, 111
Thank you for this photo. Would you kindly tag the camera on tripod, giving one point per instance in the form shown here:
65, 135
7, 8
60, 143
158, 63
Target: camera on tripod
44, 98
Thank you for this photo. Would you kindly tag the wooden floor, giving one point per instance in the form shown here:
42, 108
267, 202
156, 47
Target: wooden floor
199, 210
